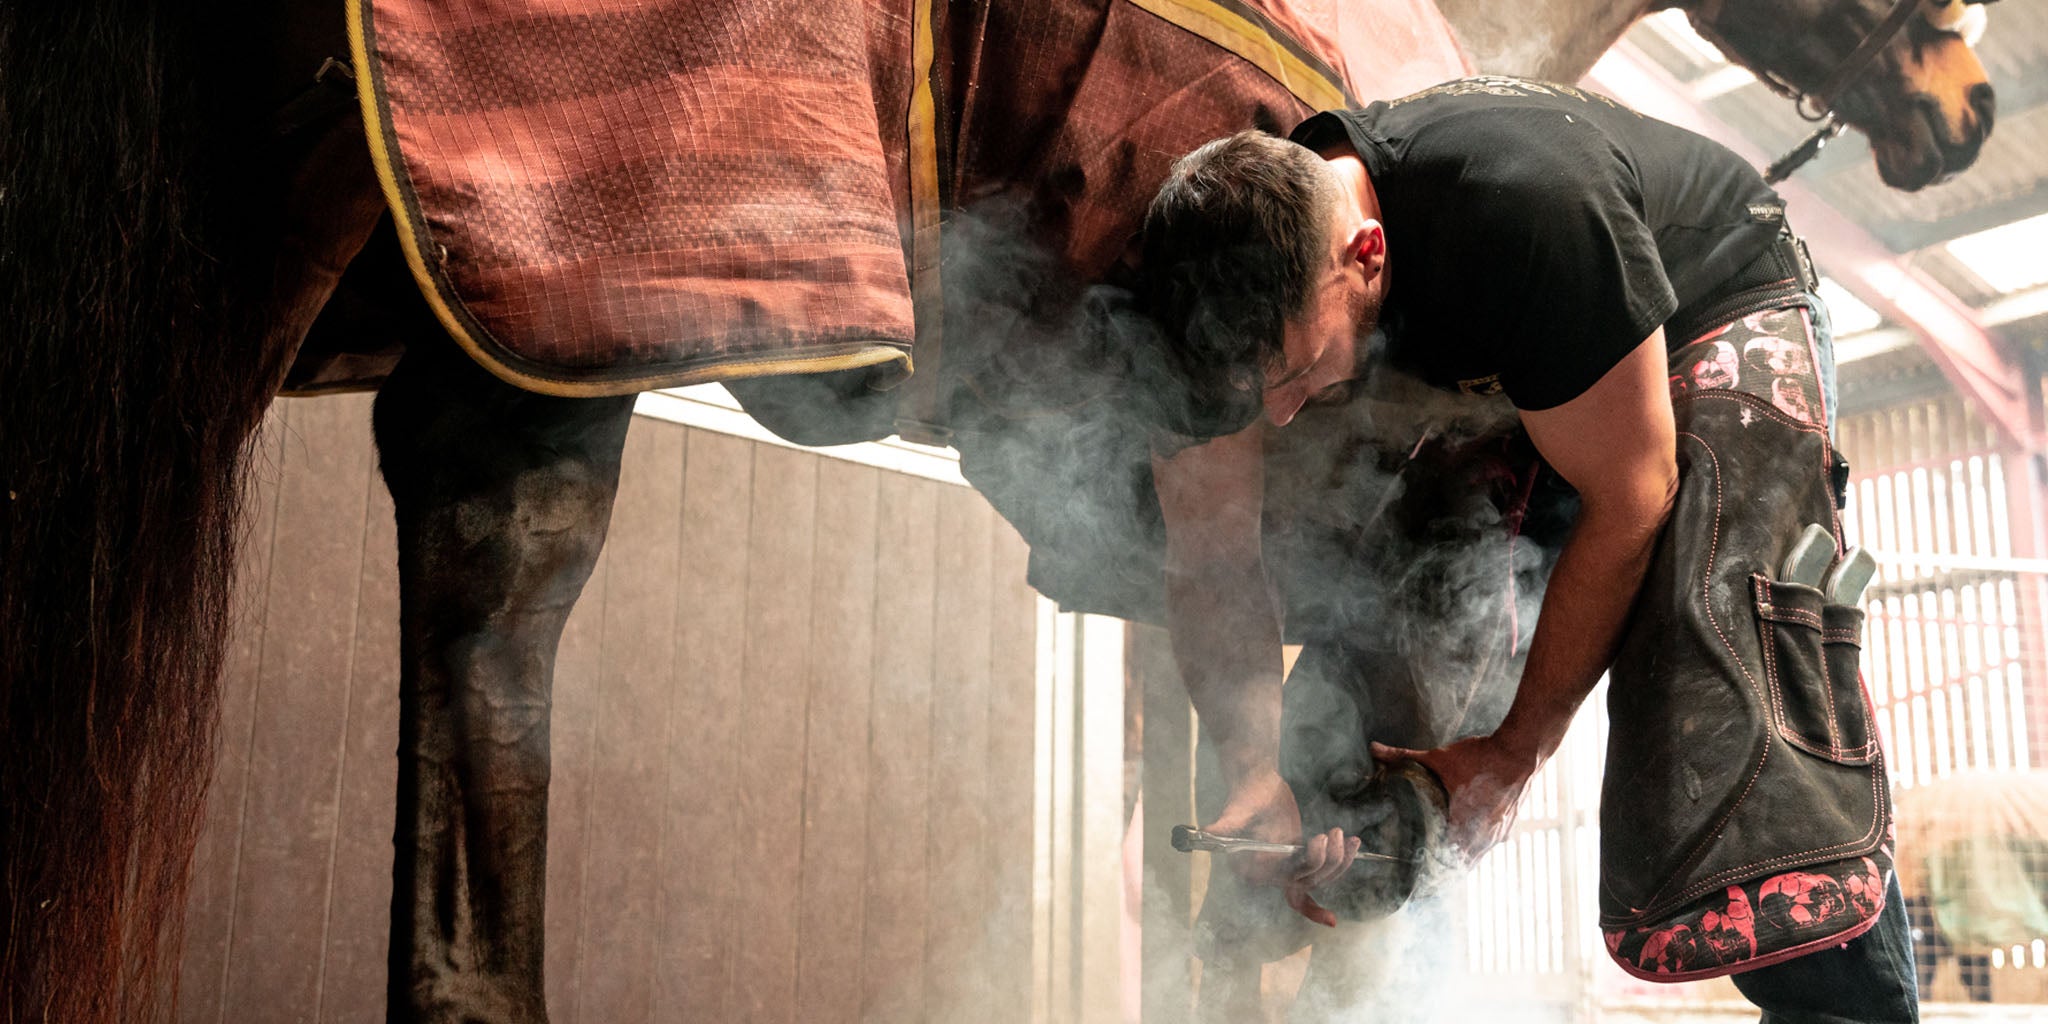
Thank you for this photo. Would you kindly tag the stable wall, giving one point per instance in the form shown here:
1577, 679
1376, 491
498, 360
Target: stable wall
793, 746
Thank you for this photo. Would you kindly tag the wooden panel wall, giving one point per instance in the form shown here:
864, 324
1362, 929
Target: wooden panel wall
793, 746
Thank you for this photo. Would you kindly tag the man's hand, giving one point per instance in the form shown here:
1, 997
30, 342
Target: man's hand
1484, 777
1263, 807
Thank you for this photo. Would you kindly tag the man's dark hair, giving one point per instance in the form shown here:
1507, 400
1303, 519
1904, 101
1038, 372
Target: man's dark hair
1233, 244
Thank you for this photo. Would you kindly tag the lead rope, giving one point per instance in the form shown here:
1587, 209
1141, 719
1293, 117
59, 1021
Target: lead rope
1803, 154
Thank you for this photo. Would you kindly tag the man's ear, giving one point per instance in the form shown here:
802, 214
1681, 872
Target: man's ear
1368, 245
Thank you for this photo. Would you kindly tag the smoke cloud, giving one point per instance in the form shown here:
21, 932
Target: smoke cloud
1408, 531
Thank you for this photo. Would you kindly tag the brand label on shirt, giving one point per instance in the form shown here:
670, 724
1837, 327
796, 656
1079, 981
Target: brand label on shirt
1481, 386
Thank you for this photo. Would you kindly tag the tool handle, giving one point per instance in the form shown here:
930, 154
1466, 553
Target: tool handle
1846, 584
1188, 839
1809, 558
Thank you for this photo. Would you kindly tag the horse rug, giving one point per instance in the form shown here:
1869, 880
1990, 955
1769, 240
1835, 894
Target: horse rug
605, 196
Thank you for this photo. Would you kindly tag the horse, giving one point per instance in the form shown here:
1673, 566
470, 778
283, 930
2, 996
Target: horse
167, 245
1924, 103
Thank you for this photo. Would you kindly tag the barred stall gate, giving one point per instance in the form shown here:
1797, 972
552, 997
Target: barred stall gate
1957, 660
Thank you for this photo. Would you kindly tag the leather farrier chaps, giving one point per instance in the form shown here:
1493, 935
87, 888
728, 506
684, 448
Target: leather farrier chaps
1745, 815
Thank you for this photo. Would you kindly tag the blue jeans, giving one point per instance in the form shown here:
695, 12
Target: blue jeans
1869, 980
1824, 341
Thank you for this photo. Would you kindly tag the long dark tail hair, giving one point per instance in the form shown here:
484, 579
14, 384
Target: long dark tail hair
131, 380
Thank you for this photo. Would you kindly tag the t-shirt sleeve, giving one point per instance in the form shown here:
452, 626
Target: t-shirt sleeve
1566, 277
1321, 130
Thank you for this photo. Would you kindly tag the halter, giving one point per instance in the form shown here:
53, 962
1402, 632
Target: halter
1818, 105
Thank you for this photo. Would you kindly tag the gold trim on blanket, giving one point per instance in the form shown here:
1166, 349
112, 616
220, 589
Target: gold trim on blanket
920, 416
1232, 31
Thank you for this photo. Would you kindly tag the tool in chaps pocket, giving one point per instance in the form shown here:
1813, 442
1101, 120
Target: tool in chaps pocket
1809, 558
1846, 584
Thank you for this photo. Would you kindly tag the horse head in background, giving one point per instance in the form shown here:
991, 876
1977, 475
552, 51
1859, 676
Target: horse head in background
1899, 71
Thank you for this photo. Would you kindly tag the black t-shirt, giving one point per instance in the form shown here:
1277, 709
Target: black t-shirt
1537, 233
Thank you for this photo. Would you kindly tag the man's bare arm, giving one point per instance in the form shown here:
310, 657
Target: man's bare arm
1617, 446
1220, 606
1225, 623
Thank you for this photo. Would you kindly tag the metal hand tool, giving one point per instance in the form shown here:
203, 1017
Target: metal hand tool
1809, 557
1846, 584
1188, 839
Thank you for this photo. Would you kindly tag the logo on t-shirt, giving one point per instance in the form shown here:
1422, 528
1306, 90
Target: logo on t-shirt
1481, 386
1507, 85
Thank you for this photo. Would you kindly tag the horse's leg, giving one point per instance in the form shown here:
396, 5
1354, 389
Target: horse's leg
503, 497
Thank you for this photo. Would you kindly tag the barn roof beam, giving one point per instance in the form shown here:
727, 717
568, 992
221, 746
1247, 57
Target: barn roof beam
1980, 366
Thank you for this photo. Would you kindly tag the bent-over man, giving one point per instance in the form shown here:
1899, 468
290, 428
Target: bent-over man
1500, 237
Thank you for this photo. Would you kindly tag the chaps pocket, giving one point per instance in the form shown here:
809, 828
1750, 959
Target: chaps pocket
1810, 651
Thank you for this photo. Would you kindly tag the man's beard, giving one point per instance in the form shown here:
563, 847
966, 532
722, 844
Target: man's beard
1369, 335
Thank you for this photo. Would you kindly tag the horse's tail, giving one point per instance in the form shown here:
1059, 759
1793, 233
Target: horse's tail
131, 380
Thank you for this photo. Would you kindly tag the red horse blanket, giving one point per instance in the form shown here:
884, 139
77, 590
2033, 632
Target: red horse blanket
602, 196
